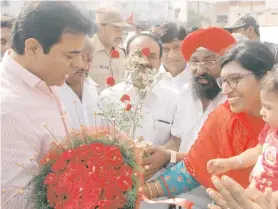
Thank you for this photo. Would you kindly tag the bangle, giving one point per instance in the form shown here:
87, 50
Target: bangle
150, 191
157, 189
239, 161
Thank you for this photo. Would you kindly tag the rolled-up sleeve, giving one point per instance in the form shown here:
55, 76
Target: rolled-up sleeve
20, 150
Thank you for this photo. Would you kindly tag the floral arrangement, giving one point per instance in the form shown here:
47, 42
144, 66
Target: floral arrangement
124, 114
91, 169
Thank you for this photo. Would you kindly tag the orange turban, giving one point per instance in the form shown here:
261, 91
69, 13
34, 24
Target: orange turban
216, 40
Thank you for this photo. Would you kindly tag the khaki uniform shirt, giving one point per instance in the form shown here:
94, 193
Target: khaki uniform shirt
104, 65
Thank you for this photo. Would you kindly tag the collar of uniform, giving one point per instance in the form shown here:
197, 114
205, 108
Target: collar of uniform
18, 71
98, 46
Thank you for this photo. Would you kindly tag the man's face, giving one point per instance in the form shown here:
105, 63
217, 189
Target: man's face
205, 68
112, 34
172, 58
78, 76
62, 59
6, 34
145, 42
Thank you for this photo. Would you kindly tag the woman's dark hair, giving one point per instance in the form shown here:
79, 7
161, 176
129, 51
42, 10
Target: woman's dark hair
251, 55
168, 32
270, 81
144, 35
46, 21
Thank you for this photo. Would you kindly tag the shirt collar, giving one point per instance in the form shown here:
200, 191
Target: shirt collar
130, 90
18, 71
97, 44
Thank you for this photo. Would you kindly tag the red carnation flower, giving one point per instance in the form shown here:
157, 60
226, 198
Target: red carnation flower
128, 107
124, 183
125, 97
115, 54
59, 165
51, 179
50, 157
110, 81
146, 52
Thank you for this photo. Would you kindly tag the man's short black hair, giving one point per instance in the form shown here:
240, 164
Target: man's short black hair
46, 21
144, 35
193, 29
7, 21
168, 32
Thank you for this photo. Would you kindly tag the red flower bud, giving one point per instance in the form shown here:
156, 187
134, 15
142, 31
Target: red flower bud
115, 54
128, 107
110, 81
125, 97
146, 52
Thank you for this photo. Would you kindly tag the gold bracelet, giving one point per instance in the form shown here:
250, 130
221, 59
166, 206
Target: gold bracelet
157, 189
150, 191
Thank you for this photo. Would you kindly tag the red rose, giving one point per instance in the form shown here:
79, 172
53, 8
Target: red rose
115, 54
110, 81
51, 179
125, 97
128, 107
146, 52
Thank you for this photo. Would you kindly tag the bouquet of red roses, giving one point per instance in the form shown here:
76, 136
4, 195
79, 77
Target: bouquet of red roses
91, 169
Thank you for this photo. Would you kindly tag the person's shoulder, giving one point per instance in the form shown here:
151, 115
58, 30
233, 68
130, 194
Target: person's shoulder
113, 91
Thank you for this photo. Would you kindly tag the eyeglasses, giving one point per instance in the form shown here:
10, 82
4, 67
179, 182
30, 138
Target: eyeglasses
212, 63
231, 80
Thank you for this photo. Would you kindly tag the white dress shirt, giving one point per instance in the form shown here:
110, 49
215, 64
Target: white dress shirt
159, 105
27, 105
179, 80
81, 112
189, 119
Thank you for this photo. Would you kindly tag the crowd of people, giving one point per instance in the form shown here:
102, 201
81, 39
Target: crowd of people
211, 121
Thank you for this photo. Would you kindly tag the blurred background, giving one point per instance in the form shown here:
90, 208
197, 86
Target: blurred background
148, 13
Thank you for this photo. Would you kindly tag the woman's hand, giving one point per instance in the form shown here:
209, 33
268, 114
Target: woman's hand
232, 196
218, 166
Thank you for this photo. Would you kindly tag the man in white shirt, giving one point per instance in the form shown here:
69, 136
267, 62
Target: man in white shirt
158, 107
79, 94
171, 35
42, 55
197, 98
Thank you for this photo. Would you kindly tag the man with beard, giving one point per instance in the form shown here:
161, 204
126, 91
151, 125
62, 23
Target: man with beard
197, 99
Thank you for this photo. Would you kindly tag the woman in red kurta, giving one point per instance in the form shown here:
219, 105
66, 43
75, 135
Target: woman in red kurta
229, 130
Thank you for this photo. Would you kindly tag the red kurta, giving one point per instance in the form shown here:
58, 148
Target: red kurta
225, 134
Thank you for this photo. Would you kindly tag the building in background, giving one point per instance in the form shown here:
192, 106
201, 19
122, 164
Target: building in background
201, 13
266, 12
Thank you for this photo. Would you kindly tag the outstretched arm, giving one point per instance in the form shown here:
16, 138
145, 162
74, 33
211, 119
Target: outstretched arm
244, 160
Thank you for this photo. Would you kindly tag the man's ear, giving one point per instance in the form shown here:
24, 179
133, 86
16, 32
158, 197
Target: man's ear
250, 30
32, 48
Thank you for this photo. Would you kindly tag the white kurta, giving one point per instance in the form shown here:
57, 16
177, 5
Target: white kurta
81, 112
189, 119
178, 81
158, 114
